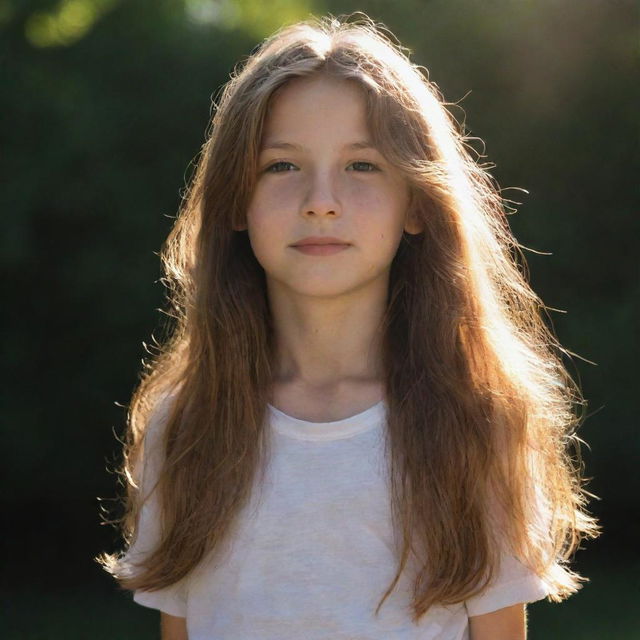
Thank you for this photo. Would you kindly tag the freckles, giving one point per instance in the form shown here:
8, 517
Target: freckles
284, 197
369, 200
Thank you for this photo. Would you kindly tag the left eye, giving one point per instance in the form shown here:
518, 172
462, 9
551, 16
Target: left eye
364, 166
280, 167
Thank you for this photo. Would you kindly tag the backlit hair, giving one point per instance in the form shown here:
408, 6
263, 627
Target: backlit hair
481, 436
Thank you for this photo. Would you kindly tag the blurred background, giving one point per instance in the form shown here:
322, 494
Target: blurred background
104, 106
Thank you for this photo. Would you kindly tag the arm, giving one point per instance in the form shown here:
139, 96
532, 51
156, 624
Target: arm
172, 627
509, 623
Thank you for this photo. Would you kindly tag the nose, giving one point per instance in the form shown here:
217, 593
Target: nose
321, 198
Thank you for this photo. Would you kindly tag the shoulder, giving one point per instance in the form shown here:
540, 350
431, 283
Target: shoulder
150, 456
158, 418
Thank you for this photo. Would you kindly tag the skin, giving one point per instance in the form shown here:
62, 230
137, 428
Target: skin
327, 309
173, 627
509, 623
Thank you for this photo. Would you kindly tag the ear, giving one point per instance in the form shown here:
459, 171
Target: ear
412, 224
239, 225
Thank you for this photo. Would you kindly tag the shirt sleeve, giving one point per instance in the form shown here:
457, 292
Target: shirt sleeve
515, 583
171, 599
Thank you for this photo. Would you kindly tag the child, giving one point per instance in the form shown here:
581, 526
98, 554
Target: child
359, 426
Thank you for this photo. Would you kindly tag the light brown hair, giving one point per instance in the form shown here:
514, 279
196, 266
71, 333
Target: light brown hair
482, 412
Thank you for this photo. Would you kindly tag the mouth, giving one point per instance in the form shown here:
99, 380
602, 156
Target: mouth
320, 241
321, 249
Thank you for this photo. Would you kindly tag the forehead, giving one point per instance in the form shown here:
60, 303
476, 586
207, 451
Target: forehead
317, 105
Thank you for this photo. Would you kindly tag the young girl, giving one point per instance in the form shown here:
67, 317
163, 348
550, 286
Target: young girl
360, 426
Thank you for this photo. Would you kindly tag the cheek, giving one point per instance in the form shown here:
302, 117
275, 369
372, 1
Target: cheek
270, 203
267, 225
262, 233
381, 212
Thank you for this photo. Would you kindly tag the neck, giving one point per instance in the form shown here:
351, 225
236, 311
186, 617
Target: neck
324, 343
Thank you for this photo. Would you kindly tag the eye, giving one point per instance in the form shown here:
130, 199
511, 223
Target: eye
280, 167
364, 166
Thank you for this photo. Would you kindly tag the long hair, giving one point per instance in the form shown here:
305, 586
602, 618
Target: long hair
482, 413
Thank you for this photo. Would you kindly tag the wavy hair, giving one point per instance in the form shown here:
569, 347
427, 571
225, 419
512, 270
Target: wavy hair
481, 435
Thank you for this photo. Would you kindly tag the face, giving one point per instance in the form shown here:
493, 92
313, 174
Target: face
320, 177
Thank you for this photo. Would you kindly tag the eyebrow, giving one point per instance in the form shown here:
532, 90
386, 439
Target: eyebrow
280, 144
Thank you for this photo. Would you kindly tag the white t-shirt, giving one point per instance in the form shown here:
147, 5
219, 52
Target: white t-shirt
313, 552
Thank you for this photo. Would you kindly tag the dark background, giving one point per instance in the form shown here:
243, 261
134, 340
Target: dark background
104, 106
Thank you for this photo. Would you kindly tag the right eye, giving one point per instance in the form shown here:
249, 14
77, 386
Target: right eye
280, 167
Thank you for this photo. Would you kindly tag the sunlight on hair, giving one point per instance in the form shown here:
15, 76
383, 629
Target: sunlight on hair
484, 460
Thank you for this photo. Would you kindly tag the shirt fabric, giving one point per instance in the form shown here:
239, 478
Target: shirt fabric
313, 552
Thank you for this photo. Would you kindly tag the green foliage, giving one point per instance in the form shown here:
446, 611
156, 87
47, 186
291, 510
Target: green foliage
254, 17
101, 125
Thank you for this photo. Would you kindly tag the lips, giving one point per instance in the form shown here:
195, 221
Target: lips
319, 241
320, 246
